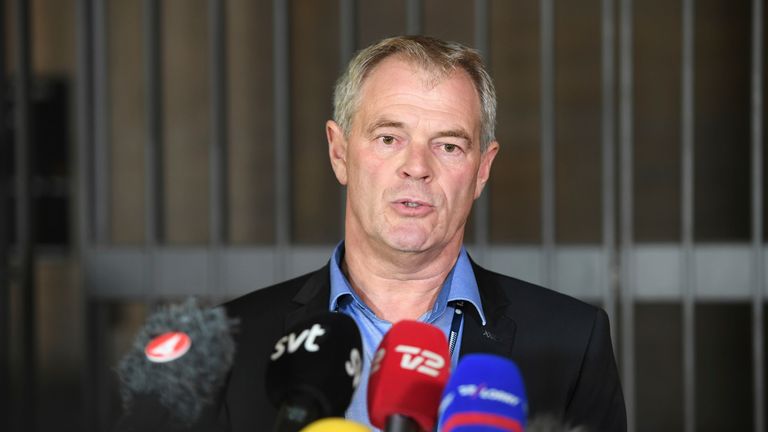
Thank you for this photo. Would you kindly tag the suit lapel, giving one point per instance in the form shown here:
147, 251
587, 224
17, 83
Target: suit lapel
312, 298
498, 335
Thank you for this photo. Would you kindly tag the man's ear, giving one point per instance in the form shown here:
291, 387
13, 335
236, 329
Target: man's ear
337, 150
484, 171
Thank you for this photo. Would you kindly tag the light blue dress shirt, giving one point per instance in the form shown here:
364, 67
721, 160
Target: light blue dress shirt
459, 285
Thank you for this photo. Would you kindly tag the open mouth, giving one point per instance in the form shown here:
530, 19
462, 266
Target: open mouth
414, 205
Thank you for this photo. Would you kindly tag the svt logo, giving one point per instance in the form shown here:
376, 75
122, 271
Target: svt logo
420, 360
354, 366
306, 337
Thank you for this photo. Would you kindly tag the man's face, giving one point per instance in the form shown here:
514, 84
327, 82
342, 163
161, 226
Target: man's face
412, 162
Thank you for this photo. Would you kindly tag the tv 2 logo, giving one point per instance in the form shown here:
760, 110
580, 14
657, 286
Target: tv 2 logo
414, 358
423, 361
307, 337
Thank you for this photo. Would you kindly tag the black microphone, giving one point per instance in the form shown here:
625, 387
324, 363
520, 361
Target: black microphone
176, 367
314, 370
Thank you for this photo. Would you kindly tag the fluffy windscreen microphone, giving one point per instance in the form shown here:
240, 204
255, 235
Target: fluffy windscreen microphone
314, 370
485, 393
408, 373
335, 425
177, 365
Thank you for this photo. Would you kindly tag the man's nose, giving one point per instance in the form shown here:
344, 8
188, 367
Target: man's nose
417, 162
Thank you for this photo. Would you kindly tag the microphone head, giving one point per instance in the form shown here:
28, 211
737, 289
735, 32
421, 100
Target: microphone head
408, 373
180, 357
335, 425
485, 393
320, 359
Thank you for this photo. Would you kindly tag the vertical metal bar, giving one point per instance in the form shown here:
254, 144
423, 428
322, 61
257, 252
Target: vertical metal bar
482, 26
347, 46
627, 276
5, 211
25, 225
85, 121
85, 131
687, 222
608, 60
758, 258
218, 205
482, 205
348, 31
414, 16
100, 116
548, 216
152, 150
84, 100
282, 108
153, 160
219, 136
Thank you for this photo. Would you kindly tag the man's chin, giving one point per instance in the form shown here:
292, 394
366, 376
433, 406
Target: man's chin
408, 242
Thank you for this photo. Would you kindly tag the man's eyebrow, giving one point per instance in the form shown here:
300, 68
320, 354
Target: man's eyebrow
383, 123
455, 133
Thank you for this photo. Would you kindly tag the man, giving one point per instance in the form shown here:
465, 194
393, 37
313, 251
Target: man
413, 141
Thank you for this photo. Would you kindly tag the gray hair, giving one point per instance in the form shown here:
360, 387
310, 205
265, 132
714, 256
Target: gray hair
433, 55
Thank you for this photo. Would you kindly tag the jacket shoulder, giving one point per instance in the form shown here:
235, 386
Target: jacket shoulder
501, 289
265, 299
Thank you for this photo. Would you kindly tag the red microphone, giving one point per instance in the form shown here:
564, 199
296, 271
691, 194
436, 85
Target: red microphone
408, 374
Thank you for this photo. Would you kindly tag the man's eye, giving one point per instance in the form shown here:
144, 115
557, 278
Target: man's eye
388, 140
450, 148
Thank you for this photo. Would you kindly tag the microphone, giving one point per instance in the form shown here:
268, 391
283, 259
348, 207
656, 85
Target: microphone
314, 370
484, 393
335, 425
176, 366
408, 373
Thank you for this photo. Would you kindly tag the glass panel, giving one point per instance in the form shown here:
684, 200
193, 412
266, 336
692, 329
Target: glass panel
127, 122
450, 20
315, 66
724, 367
378, 20
186, 120
251, 122
578, 110
722, 178
658, 347
515, 185
657, 120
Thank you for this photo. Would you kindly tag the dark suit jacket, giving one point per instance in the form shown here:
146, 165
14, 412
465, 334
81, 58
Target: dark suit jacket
562, 346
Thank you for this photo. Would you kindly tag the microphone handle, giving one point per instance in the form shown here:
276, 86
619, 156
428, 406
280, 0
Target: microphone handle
297, 411
401, 423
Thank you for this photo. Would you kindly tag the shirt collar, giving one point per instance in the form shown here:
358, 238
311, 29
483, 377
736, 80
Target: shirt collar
460, 285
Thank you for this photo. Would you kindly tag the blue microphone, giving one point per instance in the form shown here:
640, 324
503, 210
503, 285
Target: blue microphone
484, 394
